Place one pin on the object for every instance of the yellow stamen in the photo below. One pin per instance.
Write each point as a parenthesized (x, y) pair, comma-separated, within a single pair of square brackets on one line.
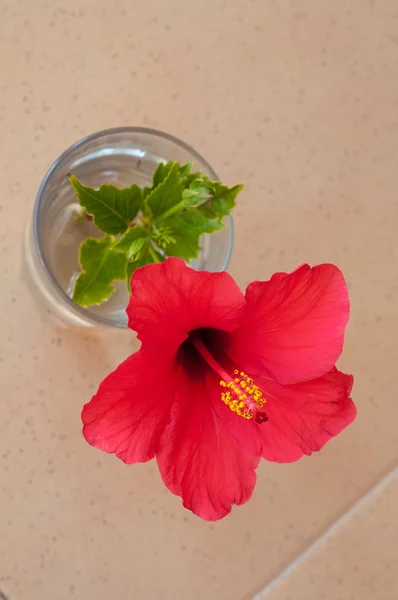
[(242, 396), (240, 393)]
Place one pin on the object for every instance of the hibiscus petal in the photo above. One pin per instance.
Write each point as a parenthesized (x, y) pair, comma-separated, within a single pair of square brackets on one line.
[(304, 416), (293, 325), (168, 300), (131, 409), (200, 460)]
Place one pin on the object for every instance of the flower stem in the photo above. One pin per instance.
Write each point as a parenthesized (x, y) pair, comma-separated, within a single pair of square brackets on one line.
[(153, 254), (168, 213)]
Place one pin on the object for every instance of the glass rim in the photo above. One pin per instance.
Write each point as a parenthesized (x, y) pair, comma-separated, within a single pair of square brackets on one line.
[(155, 133)]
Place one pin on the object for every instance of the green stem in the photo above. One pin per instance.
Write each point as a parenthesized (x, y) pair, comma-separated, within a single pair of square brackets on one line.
[(171, 211), (153, 254)]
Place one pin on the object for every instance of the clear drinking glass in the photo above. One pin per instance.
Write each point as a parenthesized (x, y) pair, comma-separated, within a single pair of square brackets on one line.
[(120, 156)]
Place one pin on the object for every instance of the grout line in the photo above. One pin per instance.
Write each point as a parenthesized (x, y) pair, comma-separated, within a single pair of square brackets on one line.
[(296, 562)]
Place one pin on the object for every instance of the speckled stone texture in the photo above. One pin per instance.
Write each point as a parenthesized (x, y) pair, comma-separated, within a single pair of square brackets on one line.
[(298, 99), (356, 558)]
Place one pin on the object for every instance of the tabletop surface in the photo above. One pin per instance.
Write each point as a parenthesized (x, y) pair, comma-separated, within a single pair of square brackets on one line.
[(300, 101)]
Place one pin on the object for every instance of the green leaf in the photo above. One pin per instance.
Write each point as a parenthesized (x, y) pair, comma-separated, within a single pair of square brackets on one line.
[(175, 211), (113, 209), (223, 200), (196, 194), (161, 172), (135, 247), (132, 235), (185, 229), (101, 265), (185, 173), (186, 246), (196, 220), (167, 194), (201, 216), (207, 203), (145, 191), (132, 265), (163, 169), (202, 183)]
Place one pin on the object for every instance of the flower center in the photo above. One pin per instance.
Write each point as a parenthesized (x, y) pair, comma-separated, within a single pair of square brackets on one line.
[(239, 392)]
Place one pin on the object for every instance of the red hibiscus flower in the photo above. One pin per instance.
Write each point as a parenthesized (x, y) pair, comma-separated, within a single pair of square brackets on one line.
[(222, 379)]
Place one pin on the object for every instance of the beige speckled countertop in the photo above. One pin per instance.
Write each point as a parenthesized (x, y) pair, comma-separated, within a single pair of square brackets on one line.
[(300, 100)]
